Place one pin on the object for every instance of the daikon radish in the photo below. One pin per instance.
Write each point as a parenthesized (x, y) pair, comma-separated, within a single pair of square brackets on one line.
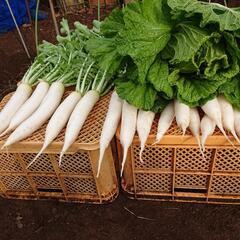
[(83, 108), (207, 129), (61, 116), (16, 101), (78, 118), (237, 121), (182, 112), (195, 124), (58, 121), (28, 107), (110, 126), (213, 110), (144, 124), (128, 129), (22, 93), (227, 116), (40, 116), (165, 121)]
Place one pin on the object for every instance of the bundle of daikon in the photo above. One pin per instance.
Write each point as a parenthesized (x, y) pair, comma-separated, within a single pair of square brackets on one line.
[(58, 66), (133, 119), (20, 106)]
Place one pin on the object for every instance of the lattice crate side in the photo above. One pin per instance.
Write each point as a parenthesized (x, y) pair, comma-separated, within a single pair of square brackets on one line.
[(15, 183), (75, 185), (42, 165), (153, 157), (106, 183), (227, 160), (191, 159), (44, 178), (191, 181), (147, 183), (9, 162), (134, 179), (77, 163), (225, 185)]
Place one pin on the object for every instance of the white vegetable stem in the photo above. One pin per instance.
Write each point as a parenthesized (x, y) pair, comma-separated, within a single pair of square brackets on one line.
[(165, 121), (195, 124), (182, 112), (128, 129), (28, 107), (40, 116), (237, 121), (144, 124), (207, 129), (227, 116), (213, 110), (110, 126), (58, 121), (78, 118), (16, 101)]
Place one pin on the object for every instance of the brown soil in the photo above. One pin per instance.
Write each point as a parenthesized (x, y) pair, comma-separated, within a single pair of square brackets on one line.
[(38, 220)]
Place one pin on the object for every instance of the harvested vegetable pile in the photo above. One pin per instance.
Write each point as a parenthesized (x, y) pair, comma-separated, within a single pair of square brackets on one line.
[(168, 56), (165, 50)]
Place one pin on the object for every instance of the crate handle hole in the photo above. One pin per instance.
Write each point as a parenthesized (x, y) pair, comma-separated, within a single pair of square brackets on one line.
[(192, 190), (50, 190)]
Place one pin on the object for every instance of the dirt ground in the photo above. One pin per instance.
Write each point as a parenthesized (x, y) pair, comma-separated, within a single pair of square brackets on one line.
[(50, 220), (21, 220)]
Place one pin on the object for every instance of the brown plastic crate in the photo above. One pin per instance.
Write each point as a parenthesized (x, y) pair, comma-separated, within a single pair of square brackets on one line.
[(75, 180), (175, 170)]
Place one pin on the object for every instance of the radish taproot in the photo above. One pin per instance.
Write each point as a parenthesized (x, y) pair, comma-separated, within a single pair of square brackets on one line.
[(213, 110), (207, 129), (28, 107), (40, 116), (77, 119), (16, 101), (144, 124), (195, 125), (237, 121), (128, 129), (58, 121), (227, 116), (182, 112), (110, 126), (165, 121), (61, 116), (85, 105)]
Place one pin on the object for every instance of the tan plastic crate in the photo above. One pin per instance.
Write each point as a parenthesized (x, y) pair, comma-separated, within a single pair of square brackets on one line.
[(75, 180), (175, 169)]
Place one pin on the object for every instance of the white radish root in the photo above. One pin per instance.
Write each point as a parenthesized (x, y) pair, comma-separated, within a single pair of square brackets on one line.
[(182, 112), (128, 129), (110, 126), (28, 107), (213, 110), (207, 129), (237, 121), (58, 121), (144, 125), (227, 116), (165, 121), (16, 101), (195, 125), (40, 116), (77, 119)]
